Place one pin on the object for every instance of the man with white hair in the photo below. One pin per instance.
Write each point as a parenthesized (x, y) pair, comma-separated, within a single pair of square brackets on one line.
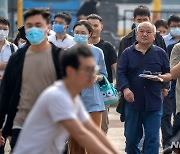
[(143, 107)]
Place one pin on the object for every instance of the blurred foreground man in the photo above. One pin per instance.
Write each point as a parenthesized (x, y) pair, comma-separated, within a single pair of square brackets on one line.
[(59, 111)]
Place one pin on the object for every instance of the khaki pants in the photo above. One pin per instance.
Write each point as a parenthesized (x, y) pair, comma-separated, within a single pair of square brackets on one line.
[(105, 120), (74, 147)]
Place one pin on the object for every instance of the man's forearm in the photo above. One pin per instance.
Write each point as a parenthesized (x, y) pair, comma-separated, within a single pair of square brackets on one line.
[(87, 140), (101, 136)]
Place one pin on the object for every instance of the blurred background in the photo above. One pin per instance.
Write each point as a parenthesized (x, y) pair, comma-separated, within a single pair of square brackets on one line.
[(117, 14)]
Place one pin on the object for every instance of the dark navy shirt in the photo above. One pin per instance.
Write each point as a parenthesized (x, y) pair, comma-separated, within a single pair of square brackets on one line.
[(148, 93)]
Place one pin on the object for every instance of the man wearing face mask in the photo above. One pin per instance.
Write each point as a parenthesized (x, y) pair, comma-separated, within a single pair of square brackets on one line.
[(6, 47), (29, 71), (174, 30), (141, 14), (61, 23), (169, 103)]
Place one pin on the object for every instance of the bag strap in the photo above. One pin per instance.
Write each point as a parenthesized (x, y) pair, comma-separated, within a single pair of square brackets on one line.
[(137, 68), (12, 48)]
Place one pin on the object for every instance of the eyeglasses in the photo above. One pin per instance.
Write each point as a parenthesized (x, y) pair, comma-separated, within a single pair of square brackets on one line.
[(90, 70)]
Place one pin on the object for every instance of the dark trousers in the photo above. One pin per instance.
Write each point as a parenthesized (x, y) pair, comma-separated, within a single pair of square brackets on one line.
[(176, 128), (134, 123), (169, 108), (15, 135)]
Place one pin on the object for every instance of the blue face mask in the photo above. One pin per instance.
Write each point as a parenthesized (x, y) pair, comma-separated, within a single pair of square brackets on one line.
[(58, 28), (137, 24), (175, 31), (80, 38), (35, 35)]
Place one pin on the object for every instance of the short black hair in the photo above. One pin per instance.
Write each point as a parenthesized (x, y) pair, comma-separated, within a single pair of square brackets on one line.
[(4, 21), (38, 11), (141, 11), (64, 15), (173, 18), (86, 24), (94, 16), (70, 57), (161, 22)]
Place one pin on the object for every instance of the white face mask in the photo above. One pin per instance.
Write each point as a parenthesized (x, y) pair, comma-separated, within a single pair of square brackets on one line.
[(3, 34)]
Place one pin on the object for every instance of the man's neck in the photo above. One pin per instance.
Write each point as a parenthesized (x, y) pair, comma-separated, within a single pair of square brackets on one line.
[(1, 44), (61, 36), (40, 47), (142, 47), (94, 40), (72, 88)]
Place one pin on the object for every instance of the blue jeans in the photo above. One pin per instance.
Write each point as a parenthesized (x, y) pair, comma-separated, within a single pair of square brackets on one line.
[(135, 121), (169, 108)]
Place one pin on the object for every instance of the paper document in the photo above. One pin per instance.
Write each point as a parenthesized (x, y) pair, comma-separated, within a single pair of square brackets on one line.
[(147, 76)]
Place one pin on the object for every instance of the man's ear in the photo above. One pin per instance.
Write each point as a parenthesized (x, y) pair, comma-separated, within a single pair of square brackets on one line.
[(48, 28), (102, 26)]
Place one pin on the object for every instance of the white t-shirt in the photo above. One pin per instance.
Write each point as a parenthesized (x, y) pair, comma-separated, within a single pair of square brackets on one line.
[(42, 133), (6, 52), (64, 44)]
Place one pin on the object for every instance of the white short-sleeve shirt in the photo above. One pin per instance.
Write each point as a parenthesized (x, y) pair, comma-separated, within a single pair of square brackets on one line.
[(64, 44), (6, 52), (42, 133)]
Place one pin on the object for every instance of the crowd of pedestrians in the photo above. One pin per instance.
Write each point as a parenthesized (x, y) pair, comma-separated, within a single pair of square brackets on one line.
[(50, 100)]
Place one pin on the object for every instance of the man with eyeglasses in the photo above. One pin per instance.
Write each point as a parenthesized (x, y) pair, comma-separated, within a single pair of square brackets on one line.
[(6, 47), (60, 25), (59, 111), (174, 30)]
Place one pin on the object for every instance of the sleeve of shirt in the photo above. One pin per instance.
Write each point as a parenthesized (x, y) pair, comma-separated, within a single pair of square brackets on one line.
[(122, 68), (175, 55), (61, 108), (166, 67), (83, 115), (101, 63)]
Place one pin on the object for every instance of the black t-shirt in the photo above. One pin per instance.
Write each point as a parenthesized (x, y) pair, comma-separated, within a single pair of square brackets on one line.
[(110, 56)]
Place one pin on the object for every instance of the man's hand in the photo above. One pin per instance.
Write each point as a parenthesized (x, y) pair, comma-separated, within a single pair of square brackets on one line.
[(128, 95), (2, 141), (166, 77), (98, 78), (164, 92), (3, 65)]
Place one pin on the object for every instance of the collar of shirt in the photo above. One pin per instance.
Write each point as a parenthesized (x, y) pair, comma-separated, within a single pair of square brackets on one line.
[(7, 43), (168, 37), (134, 48)]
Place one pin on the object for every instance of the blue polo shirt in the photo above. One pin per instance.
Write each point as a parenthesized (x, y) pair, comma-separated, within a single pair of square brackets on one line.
[(148, 96)]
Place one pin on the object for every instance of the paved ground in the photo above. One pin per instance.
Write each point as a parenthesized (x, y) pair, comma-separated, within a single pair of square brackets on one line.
[(116, 131)]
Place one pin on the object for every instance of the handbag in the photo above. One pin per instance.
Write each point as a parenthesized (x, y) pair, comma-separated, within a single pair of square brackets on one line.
[(108, 91)]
